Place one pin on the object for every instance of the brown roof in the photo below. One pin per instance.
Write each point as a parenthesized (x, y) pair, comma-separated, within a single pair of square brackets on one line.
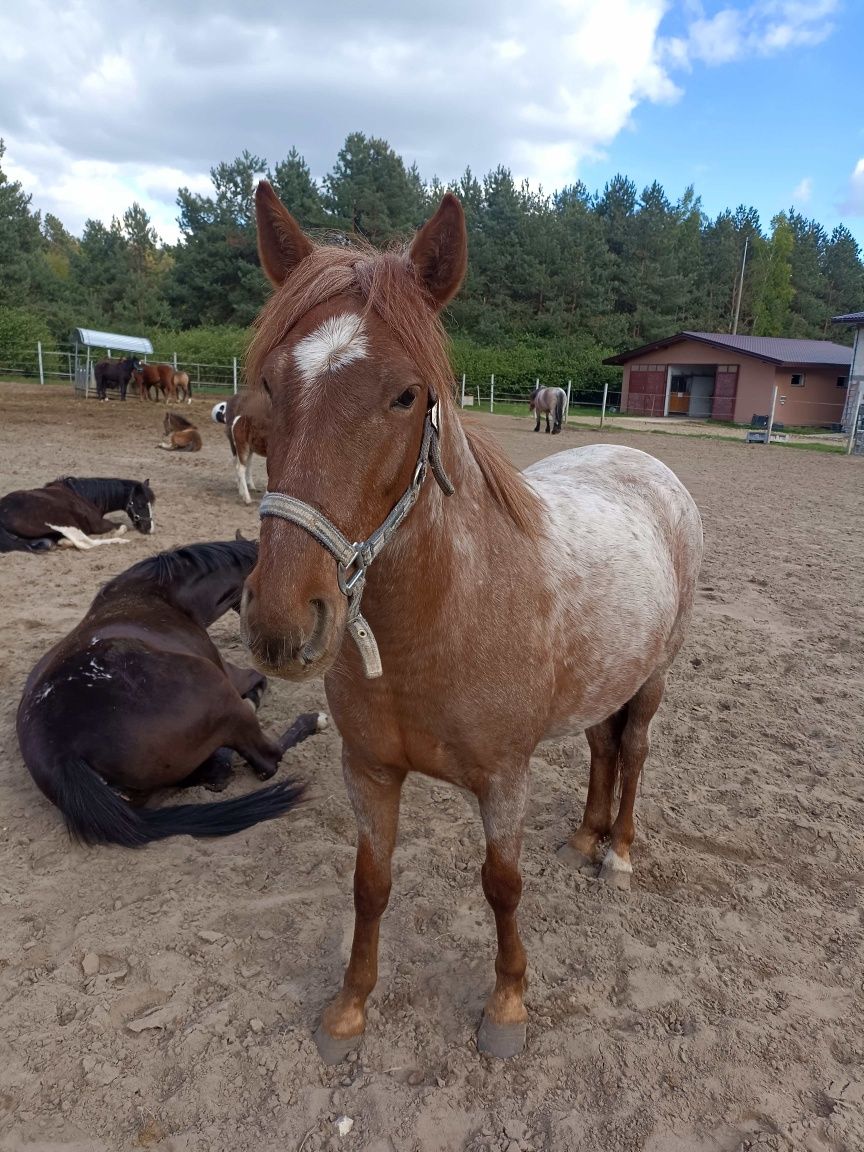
[(772, 349)]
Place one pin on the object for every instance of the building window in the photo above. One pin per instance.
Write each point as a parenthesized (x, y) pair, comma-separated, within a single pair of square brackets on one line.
[(797, 380), (842, 381)]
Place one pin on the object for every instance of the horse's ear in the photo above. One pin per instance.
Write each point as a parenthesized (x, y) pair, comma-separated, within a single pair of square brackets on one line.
[(281, 243), (439, 251)]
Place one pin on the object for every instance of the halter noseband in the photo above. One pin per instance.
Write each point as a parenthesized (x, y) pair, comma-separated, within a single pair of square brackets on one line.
[(353, 560)]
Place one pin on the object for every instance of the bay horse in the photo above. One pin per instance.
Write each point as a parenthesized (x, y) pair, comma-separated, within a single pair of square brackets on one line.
[(181, 435), (164, 378), (72, 508), (114, 374), (444, 672), (246, 417), (137, 698), (549, 401)]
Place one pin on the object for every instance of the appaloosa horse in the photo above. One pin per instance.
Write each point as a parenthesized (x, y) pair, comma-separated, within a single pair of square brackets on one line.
[(73, 509), (137, 698), (246, 417), (114, 374), (549, 401), (604, 542)]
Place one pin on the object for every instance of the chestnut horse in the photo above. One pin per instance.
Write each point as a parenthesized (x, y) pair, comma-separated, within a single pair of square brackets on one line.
[(165, 378), (181, 435), (137, 698), (246, 417), (549, 401), (603, 542)]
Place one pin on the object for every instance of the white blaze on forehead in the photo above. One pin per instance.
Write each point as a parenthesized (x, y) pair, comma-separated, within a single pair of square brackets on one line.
[(340, 340)]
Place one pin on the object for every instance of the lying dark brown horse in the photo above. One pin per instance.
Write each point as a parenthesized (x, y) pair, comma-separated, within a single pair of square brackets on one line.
[(181, 435), (164, 378), (246, 417), (114, 374), (74, 508), (137, 698)]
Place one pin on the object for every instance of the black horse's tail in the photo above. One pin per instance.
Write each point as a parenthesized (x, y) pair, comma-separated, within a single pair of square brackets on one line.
[(9, 542), (96, 814), (559, 408)]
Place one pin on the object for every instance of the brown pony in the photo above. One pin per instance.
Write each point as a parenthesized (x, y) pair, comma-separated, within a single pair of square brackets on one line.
[(165, 379), (246, 417), (181, 434), (603, 542)]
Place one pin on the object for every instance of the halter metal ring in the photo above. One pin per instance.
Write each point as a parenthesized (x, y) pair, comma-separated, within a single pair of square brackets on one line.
[(347, 583)]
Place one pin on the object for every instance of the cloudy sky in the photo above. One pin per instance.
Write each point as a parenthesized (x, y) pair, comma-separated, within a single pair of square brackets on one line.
[(759, 101)]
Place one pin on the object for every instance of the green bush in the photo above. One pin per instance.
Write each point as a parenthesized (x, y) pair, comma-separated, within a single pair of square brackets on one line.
[(19, 332)]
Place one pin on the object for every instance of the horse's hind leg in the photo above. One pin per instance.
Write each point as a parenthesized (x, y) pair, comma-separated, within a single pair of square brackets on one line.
[(214, 774), (604, 739), (250, 483), (548, 425), (635, 742)]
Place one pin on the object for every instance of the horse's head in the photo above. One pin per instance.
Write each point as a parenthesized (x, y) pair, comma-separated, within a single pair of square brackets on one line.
[(217, 412), (351, 351), (139, 507)]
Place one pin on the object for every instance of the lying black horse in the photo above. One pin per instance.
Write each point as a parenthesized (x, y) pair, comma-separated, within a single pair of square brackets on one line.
[(32, 520), (137, 698), (114, 374)]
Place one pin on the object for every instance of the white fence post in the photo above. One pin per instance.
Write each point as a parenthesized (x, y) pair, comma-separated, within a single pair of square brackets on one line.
[(567, 411), (771, 415), (174, 358), (603, 409), (492, 394), (462, 397), (853, 423), (235, 374), (39, 354)]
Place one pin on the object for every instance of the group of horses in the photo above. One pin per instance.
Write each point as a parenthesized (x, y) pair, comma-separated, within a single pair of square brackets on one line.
[(379, 568), (150, 379)]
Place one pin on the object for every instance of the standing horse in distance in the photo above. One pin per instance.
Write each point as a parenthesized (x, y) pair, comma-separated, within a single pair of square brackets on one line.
[(549, 401), (246, 417), (181, 435), (462, 683), (73, 509), (114, 374), (137, 698), (164, 378)]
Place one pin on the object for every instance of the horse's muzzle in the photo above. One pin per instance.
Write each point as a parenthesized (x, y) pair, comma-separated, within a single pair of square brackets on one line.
[(300, 648)]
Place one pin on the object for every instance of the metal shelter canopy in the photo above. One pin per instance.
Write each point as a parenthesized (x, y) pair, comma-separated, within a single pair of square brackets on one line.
[(89, 338), (92, 339)]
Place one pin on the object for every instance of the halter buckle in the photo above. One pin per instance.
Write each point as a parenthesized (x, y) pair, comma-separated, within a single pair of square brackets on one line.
[(347, 583)]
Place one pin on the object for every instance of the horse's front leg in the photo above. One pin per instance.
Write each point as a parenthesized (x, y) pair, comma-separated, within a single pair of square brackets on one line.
[(375, 794), (502, 807)]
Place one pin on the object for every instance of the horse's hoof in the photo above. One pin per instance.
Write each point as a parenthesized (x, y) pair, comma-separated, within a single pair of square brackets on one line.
[(266, 774), (503, 1041), (573, 858), (555, 431), (333, 1049), (616, 872)]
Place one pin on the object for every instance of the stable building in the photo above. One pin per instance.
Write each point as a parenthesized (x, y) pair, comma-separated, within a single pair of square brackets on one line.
[(717, 376)]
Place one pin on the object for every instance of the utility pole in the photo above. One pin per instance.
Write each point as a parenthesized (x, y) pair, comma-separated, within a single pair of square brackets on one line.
[(740, 288)]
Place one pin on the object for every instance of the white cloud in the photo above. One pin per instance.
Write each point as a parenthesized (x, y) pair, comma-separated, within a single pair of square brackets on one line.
[(175, 89), (802, 193), (853, 205), (760, 28)]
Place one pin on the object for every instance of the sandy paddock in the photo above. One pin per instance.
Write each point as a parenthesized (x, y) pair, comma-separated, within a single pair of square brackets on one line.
[(166, 998)]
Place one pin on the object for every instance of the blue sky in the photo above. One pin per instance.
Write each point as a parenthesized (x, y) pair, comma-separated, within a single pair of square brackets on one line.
[(753, 101)]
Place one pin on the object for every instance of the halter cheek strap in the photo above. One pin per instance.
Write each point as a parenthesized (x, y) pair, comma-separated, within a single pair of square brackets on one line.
[(353, 560)]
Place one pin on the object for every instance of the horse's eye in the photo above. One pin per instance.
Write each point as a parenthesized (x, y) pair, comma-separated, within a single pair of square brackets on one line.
[(405, 400)]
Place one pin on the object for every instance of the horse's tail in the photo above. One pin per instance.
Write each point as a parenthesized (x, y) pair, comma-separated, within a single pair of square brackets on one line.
[(9, 542), (96, 814), (559, 407)]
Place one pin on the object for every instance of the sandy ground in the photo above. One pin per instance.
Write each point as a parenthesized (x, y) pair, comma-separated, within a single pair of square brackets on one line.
[(717, 1006)]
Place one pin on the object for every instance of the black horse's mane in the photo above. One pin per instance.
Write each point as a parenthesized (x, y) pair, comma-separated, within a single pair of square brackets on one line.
[(105, 492), (180, 564)]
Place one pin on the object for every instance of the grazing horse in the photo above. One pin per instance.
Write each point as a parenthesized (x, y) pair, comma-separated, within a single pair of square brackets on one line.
[(73, 508), (114, 374), (462, 683), (549, 400), (246, 417), (137, 698), (165, 379), (181, 434)]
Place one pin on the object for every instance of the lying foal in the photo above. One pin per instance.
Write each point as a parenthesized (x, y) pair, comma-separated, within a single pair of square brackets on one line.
[(181, 434)]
